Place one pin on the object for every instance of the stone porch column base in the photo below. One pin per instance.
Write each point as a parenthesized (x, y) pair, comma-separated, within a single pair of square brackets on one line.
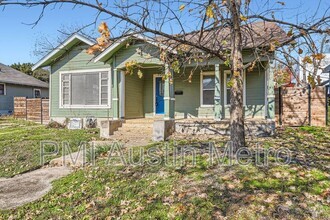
[(162, 129)]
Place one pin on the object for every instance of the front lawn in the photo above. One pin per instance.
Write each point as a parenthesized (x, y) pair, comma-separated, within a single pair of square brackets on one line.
[(20, 143), (164, 190)]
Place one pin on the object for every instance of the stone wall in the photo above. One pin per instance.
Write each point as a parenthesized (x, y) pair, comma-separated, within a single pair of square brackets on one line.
[(257, 128)]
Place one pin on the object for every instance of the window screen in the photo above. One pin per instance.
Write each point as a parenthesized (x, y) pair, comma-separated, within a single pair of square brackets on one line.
[(208, 89), (2, 89), (89, 88), (37, 93)]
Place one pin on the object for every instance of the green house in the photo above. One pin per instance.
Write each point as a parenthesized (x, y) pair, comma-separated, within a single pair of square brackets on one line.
[(83, 85)]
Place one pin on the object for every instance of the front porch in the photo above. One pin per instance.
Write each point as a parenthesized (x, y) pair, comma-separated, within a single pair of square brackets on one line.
[(144, 130), (199, 106)]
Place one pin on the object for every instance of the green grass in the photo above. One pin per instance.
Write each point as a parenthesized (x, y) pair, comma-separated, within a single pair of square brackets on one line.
[(20, 143), (299, 190)]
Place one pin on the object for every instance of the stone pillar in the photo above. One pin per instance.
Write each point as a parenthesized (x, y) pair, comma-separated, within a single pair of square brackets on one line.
[(270, 114), (169, 100), (115, 96), (217, 94), (162, 129)]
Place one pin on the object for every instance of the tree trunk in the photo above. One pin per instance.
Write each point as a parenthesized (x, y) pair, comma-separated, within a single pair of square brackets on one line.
[(237, 134)]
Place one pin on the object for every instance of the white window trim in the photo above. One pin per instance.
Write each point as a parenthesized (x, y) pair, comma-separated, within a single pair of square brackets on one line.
[(226, 72), (4, 88), (86, 106), (34, 93), (208, 73)]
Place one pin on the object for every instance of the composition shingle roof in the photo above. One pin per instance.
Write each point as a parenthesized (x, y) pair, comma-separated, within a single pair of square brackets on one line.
[(254, 35), (10, 75)]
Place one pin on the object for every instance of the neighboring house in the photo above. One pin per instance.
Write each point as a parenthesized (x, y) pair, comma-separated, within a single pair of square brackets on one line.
[(326, 71), (83, 85), (14, 83), (306, 69)]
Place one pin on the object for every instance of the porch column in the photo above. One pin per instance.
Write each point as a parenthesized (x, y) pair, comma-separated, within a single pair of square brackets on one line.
[(115, 97), (270, 112), (121, 89), (169, 100), (162, 129), (217, 94)]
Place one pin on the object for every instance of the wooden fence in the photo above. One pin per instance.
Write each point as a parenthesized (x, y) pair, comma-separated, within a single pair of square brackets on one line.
[(301, 106), (36, 110)]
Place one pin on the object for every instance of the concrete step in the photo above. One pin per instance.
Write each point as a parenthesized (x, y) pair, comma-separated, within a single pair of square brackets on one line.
[(140, 121), (139, 130), (122, 135), (137, 126), (135, 131)]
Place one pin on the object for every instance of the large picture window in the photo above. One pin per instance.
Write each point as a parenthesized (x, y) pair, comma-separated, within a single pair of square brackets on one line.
[(85, 88), (207, 88), (2, 89)]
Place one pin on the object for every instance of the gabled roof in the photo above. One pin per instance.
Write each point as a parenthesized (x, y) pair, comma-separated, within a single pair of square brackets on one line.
[(12, 76), (61, 49), (326, 69), (116, 45), (254, 35), (325, 83)]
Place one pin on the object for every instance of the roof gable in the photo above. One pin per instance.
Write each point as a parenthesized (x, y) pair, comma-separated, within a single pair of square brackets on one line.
[(61, 49), (117, 45)]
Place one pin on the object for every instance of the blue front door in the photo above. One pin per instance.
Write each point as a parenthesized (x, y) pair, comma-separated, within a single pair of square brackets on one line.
[(159, 93)]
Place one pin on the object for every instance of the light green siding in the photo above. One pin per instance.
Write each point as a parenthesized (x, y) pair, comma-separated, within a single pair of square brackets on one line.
[(139, 92), (255, 94), (187, 105), (75, 59), (148, 91), (134, 96), (140, 52)]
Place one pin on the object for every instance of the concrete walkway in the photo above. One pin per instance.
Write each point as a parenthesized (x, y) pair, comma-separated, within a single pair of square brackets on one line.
[(28, 187)]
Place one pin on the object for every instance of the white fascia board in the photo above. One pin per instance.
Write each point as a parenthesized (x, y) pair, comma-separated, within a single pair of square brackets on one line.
[(120, 41), (110, 49), (60, 47)]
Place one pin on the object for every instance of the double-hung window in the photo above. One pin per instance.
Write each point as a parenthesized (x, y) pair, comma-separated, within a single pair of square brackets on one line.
[(2, 89), (85, 88), (207, 88), (36, 93)]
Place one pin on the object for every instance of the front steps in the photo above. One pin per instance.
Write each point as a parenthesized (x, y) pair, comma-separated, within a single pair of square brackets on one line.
[(134, 132)]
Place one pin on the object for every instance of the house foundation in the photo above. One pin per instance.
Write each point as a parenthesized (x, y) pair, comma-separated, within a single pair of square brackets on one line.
[(253, 128)]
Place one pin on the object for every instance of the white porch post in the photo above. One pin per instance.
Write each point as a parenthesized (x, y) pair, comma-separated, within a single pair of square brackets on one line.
[(115, 97), (169, 100), (217, 94), (270, 102), (122, 94)]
